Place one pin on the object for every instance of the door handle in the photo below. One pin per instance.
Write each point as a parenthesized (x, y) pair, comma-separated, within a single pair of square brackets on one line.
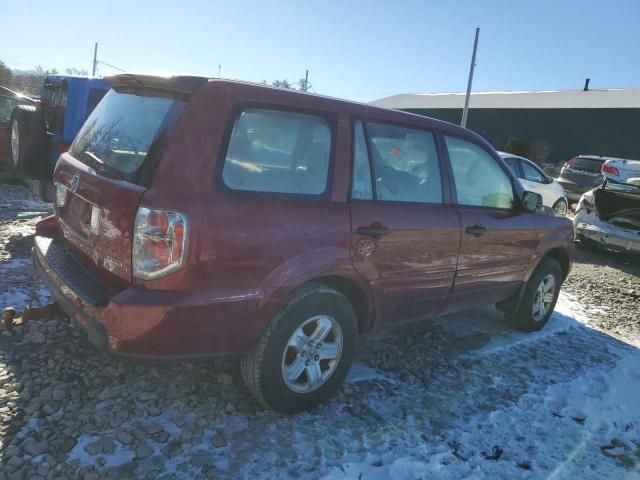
[(375, 231), (476, 230)]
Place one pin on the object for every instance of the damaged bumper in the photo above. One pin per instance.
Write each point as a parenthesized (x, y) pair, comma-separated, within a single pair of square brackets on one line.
[(606, 234)]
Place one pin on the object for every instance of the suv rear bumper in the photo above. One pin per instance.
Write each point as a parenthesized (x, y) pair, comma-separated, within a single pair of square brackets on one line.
[(149, 323)]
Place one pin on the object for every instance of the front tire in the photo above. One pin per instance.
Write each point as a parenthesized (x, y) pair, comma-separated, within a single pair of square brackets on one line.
[(539, 298), (561, 207), (305, 353)]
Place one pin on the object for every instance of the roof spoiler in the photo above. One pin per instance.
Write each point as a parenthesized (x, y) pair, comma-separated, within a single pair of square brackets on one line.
[(184, 84)]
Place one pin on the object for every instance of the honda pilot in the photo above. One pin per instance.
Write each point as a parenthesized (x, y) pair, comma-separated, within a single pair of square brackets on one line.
[(198, 217)]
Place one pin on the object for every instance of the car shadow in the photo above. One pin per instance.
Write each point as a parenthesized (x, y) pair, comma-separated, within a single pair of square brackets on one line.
[(96, 413)]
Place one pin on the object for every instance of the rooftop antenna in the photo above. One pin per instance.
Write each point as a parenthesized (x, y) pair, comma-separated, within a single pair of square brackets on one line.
[(465, 111)]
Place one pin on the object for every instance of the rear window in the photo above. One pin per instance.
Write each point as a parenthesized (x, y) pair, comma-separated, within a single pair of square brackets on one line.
[(54, 104), (586, 165), (278, 152), (123, 135)]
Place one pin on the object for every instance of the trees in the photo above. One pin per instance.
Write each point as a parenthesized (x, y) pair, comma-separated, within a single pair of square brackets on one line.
[(284, 83), (6, 76), (30, 81)]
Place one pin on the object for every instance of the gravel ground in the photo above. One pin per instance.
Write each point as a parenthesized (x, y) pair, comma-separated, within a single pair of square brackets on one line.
[(459, 397), (609, 283)]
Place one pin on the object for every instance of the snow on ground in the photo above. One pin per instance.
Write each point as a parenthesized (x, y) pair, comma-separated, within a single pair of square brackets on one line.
[(562, 403)]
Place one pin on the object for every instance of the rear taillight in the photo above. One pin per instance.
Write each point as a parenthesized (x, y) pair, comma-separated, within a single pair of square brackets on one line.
[(609, 169), (159, 243), (568, 163)]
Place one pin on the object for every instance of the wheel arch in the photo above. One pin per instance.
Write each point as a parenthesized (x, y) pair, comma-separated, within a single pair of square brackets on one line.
[(356, 293), (562, 257)]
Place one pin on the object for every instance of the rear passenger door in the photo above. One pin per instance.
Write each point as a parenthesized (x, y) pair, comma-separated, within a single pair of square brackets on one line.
[(404, 238), (497, 238)]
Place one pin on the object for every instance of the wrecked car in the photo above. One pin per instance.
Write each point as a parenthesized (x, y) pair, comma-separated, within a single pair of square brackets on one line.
[(609, 215)]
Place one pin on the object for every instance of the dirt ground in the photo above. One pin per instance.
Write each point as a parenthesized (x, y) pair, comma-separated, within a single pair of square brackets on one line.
[(460, 397)]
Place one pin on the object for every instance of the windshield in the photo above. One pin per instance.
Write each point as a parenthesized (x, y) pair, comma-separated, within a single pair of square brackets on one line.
[(122, 133)]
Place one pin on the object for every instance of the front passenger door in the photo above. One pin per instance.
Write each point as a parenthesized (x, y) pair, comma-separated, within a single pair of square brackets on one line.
[(497, 239)]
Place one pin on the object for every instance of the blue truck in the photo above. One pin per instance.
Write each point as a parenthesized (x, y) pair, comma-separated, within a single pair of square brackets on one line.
[(44, 128)]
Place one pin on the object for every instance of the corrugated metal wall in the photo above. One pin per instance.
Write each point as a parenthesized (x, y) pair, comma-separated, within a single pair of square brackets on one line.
[(553, 135)]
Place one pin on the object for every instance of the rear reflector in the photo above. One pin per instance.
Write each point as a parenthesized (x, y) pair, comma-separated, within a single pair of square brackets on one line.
[(159, 243)]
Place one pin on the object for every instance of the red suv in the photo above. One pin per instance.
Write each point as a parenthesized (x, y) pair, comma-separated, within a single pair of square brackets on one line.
[(200, 217)]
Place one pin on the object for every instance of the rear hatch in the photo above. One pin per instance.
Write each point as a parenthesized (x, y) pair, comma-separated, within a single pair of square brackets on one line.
[(100, 181), (582, 171)]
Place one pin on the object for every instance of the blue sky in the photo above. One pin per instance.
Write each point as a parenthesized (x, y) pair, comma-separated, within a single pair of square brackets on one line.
[(361, 50)]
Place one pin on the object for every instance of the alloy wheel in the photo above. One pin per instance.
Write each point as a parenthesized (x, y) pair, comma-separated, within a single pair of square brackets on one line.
[(543, 298), (561, 207), (312, 354)]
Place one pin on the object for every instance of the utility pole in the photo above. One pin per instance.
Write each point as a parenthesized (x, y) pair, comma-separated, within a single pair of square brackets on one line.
[(219, 69), (95, 59), (465, 112), (306, 81)]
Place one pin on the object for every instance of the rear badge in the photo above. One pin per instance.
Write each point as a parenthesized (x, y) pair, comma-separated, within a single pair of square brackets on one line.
[(111, 264), (74, 182)]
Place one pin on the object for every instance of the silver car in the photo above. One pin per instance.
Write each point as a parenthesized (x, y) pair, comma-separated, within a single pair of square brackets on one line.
[(609, 216)]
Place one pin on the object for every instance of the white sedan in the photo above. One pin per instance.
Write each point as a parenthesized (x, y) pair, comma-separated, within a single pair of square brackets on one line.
[(621, 170), (535, 180)]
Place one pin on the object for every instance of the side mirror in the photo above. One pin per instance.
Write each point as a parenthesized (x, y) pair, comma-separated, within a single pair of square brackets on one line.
[(531, 201), (548, 179)]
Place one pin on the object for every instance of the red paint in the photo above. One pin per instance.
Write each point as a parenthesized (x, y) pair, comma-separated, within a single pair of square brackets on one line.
[(247, 252)]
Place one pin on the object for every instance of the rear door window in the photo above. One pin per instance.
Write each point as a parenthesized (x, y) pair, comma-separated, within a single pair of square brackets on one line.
[(278, 151), (123, 135), (479, 180), (404, 162)]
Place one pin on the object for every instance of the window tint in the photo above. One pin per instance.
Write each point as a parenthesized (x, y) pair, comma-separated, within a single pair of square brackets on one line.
[(479, 179), (405, 164), (586, 164), (120, 133), (512, 163), (277, 151), (531, 173), (361, 187)]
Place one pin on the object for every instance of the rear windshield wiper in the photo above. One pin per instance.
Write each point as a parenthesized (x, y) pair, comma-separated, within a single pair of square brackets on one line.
[(103, 167)]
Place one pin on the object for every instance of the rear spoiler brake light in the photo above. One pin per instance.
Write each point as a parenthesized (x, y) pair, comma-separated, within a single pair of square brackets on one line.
[(184, 84)]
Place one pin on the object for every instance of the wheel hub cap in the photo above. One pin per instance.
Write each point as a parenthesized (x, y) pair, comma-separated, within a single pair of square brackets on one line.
[(312, 354), (544, 298)]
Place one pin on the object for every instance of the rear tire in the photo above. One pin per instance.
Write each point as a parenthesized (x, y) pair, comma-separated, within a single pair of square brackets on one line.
[(271, 371), (538, 299), (28, 134)]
